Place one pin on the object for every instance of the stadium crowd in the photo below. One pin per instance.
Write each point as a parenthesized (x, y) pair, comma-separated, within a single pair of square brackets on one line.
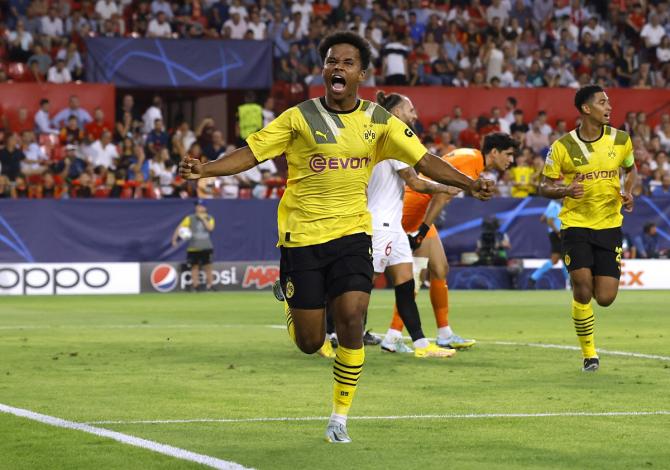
[(496, 43)]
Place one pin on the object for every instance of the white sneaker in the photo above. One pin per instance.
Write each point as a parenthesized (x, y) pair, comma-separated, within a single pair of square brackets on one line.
[(456, 342), (395, 345)]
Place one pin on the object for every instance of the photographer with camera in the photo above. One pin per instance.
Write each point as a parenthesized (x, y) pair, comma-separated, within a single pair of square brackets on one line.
[(493, 244)]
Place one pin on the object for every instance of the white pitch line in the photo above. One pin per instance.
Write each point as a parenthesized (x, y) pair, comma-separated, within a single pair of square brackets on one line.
[(568, 414), (281, 327), (164, 449), (575, 348)]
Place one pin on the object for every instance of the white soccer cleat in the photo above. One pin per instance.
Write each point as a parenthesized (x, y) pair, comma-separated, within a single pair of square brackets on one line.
[(395, 345), (337, 433)]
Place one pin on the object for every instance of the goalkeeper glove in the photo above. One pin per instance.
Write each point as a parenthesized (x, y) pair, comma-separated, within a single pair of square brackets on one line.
[(416, 238)]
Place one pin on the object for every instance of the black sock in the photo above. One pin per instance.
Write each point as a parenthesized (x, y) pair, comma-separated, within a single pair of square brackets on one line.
[(330, 324), (407, 309)]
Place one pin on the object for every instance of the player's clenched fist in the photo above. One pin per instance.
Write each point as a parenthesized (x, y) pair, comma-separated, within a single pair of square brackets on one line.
[(190, 168), (482, 189)]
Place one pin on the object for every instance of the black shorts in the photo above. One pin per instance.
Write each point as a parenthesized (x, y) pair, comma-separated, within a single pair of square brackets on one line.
[(310, 275), (555, 242), (598, 250), (202, 257)]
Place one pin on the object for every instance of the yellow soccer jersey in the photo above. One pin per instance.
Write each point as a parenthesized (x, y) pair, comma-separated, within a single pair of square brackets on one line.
[(522, 175), (597, 165), (330, 158)]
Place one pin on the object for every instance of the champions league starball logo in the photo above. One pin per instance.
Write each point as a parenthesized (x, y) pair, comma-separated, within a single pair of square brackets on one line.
[(164, 278)]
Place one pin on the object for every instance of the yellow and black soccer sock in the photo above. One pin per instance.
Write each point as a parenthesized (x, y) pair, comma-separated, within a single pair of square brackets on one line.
[(290, 327), (346, 372), (582, 316)]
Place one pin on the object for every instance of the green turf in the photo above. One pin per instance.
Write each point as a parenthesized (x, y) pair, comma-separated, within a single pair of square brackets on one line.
[(166, 357)]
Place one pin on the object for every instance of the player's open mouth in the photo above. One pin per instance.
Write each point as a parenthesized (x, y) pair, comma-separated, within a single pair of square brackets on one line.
[(337, 83)]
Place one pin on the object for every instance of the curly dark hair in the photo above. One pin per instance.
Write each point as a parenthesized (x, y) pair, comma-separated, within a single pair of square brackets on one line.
[(347, 37), (585, 94)]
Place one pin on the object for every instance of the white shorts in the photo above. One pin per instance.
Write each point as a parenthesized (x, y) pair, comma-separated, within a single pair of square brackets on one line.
[(389, 248)]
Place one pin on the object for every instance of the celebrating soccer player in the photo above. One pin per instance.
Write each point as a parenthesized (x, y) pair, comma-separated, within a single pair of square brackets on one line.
[(419, 212), (589, 158), (324, 225)]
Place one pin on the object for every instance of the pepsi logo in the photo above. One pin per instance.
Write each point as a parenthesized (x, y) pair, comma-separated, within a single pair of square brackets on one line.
[(164, 278)]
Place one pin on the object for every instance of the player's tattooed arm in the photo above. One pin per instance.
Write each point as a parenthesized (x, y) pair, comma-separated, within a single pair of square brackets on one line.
[(628, 184), (232, 163), (551, 189), (421, 185)]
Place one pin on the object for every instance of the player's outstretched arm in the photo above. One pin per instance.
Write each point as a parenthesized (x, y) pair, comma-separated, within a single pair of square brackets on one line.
[(420, 185), (551, 189), (439, 170), (232, 163)]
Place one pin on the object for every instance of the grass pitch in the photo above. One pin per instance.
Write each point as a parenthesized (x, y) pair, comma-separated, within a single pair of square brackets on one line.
[(222, 356)]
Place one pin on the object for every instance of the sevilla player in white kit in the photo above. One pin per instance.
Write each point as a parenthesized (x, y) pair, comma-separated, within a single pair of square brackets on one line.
[(391, 250)]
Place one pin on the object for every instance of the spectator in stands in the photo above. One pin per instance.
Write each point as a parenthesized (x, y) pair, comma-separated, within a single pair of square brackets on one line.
[(42, 120), (162, 6), (535, 139), (159, 27), (59, 73), (71, 166), (11, 157), (394, 63), (5, 187), (20, 190), (20, 43), (95, 128), (522, 177), (216, 148), (103, 153), (74, 109), (182, 139), (663, 190), (106, 8), (470, 137), (256, 26), (36, 160), (83, 187), (235, 27), (518, 128), (21, 122), (72, 59), (71, 133), (157, 139), (152, 113), (41, 60), (52, 24), (268, 110)]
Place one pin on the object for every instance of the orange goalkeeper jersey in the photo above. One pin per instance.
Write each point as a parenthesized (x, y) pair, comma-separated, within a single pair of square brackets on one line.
[(468, 161)]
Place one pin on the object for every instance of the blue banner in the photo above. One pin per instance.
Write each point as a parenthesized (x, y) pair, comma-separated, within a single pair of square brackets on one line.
[(113, 230), (117, 230), (460, 224), (187, 63)]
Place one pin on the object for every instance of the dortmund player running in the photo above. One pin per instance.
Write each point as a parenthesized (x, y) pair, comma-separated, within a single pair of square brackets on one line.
[(589, 158), (324, 225)]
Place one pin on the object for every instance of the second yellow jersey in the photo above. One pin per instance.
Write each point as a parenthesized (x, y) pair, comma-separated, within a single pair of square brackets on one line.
[(596, 164), (330, 158)]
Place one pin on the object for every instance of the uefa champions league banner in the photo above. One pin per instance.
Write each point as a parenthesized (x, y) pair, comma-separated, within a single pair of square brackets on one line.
[(187, 63), (104, 230), (88, 231)]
